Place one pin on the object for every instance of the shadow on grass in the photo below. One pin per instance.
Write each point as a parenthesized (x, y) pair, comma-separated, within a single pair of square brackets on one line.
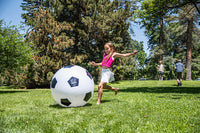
[(189, 90), (60, 107), (6, 92), (105, 101), (172, 96), (111, 100), (8, 87)]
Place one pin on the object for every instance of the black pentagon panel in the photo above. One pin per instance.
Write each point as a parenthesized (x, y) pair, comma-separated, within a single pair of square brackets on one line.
[(89, 75), (53, 83), (65, 102), (73, 81), (69, 66), (87, 96)]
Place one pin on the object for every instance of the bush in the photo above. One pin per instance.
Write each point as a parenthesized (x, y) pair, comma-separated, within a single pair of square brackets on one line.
[(10, 77)]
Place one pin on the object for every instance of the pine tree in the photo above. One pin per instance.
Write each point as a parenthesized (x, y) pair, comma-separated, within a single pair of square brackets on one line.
[(92, 23), (49, 40)]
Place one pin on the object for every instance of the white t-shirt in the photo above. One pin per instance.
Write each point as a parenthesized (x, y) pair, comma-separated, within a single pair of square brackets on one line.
[(161, 68)]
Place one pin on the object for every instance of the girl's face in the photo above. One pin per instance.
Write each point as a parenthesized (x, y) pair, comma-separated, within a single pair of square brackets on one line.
[(107, 49)]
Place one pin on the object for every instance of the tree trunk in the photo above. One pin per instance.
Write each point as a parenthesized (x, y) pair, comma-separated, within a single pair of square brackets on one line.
[(161, 37), (189, 49)]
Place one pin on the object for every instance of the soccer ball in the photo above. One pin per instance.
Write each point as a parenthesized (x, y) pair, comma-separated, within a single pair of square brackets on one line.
[(72, 86)]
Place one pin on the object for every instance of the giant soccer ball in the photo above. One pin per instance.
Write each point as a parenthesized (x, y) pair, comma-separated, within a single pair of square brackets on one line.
[(72, 86)]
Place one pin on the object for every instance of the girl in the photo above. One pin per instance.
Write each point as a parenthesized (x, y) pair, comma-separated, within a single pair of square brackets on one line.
[(106, 74)]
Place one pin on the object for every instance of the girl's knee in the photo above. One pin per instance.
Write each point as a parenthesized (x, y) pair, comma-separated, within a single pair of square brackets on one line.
[(100, 86), (100, 91)]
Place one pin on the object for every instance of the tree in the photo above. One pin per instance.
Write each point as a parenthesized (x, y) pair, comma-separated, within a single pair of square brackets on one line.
[(131, 67), (154, 15), (15, 55), (47, 37), (14, 52), (188, 16), (92, 23), (195, 54), (174, 4)]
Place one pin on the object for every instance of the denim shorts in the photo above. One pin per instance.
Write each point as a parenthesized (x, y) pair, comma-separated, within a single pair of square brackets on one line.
[(160, 73), (107, 76)]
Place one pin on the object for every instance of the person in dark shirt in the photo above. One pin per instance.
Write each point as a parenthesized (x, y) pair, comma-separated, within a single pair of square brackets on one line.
[(179, 67)]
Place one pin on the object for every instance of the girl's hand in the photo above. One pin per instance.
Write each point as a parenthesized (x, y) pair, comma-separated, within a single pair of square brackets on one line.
[(92, 63), (135, 52)]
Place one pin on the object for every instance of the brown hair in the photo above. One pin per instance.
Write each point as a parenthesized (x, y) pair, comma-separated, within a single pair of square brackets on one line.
[(112, 50)]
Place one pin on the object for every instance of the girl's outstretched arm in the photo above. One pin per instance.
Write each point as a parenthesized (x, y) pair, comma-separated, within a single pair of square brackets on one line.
[(124, 55), (95, 64)]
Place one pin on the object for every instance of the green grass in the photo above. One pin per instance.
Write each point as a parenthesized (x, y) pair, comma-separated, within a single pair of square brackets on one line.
[(139, 107)]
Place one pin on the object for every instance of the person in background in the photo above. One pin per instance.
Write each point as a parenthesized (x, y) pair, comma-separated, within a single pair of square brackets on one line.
[(179, 67), (160, 70)]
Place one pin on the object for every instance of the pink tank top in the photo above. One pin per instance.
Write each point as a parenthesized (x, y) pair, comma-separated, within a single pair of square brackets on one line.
[(107, 63)]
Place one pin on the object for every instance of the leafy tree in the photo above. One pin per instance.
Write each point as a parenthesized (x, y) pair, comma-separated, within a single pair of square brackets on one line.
[(195, 54), (14, 53), (131, 67), (48, 38), (92, 23), (187, 17), (166, 40)]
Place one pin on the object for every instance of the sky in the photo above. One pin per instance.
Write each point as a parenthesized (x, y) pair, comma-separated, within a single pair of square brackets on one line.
[(10, 12)]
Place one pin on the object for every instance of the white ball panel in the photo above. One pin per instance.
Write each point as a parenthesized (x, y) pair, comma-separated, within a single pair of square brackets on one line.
[(73, 83)]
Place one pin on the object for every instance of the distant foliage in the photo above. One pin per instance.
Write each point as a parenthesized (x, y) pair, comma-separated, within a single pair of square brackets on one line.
[(15, 55), (49, 39), (171, 27), (69, 32)]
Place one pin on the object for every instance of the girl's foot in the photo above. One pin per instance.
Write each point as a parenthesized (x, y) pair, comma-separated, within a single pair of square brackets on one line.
[(116, 90), (98, 102)]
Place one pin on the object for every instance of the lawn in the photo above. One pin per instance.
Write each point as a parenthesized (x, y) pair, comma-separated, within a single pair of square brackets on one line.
[(139, 107)]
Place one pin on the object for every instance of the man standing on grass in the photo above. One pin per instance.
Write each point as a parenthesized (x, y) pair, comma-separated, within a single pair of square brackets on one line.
[(179, 67)]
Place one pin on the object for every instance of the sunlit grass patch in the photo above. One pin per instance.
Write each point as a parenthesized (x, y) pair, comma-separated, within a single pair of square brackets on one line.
[(140, 106)]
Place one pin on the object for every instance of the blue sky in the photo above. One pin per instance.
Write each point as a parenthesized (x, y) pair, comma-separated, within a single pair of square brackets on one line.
[(11, 11)]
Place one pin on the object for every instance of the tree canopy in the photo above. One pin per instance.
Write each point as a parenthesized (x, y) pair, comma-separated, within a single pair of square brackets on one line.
[(14, 52), (69, 32), (170, 26)]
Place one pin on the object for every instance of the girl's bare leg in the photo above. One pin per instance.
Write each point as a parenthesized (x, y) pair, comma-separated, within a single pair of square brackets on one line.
[(100, 92), (105, 86), (102, 86)]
